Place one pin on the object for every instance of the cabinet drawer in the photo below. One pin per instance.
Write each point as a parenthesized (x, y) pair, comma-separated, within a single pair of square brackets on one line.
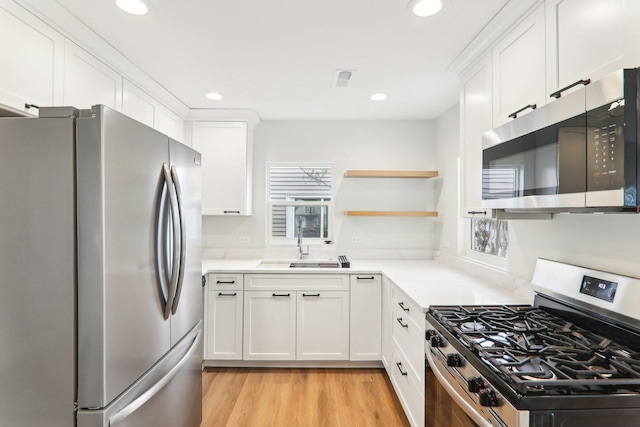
[(410, 394), (406, 305), (293, 282), (410, 339), (221, 281)]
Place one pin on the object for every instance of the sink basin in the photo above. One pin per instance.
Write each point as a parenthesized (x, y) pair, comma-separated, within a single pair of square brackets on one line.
[(314, 264), (284, 264)]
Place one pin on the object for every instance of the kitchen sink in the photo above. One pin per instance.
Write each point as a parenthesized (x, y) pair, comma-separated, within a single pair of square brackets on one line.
[(299, 264), (314, 264)]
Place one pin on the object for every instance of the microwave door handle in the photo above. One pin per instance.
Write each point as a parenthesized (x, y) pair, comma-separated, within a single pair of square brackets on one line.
[(175, 220), (515, 113), (468, 409), (557, 94), (182, 241)]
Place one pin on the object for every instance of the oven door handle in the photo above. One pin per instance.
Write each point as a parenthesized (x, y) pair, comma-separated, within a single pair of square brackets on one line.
[(475, 416)]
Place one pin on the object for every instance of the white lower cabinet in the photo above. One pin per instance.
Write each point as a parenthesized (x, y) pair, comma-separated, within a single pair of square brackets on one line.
[(322, 326), (366, 317), (404, 343), (223, 317), (269, 325), (224, 323), (296, 317)]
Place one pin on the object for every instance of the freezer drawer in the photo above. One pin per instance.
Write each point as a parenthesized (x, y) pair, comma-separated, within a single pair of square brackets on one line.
[(153, 400)]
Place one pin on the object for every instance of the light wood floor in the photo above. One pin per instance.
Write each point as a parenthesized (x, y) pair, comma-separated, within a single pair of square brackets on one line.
[(250, 397)]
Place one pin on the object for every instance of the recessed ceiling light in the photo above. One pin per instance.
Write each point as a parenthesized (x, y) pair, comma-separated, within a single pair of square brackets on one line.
[(134, 7), (378, 96), (214, 96), (424, 8)]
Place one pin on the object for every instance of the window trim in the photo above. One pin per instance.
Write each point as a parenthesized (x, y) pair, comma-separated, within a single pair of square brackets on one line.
[(313, 241)]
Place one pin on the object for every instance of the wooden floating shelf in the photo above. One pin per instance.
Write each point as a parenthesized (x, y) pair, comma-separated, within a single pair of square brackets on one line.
[(390, 174), (392, 213)]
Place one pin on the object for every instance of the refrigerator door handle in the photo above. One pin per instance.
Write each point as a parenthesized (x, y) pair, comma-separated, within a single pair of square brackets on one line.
[(182, 241), (162, 243), (175, 219), (122, 414)]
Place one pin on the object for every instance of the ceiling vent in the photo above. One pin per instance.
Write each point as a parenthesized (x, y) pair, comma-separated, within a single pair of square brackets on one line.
[(342, 78)]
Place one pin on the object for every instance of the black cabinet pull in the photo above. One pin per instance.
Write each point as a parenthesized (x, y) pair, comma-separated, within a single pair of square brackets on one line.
[(404, 325), (557, 94), (310, 295), (220, 294), (515, 113), (204, 281), (222, 282), (401, 304), (281, 295), (365, 278), (232, 212), (399, 365), (28, 106), (476, 212)]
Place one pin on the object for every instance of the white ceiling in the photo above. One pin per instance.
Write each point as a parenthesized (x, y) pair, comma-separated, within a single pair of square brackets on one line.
[(278, 57)]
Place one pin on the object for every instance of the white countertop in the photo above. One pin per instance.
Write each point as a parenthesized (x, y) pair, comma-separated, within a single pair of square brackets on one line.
[(426, 282)]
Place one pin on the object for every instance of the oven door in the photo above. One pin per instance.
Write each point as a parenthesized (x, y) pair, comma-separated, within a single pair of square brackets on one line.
[(538, 161)]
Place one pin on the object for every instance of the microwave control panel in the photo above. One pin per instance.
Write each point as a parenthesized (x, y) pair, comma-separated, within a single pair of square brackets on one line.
[(605, 147)]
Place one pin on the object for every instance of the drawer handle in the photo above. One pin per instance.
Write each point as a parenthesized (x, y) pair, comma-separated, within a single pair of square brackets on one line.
[(404, 325), (231, 212), (476, 212), (310, 295), (281, 295), (365, 278), (399, 365), (220, 294), (223, 282), (401, 304)]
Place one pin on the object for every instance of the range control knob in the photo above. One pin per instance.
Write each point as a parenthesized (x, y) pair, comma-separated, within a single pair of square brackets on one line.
[(475, 384), (454, 359), (488, 398), (436, 341)]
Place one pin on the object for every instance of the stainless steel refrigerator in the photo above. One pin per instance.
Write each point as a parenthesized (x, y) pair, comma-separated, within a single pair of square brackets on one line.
[(100, 273)]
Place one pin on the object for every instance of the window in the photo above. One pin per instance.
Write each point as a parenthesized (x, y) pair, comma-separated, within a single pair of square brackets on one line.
[(490, 236), (299, 198)]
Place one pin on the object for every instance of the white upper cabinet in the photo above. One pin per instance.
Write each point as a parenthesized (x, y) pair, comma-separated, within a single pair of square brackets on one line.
[(226, 167), (88, 81), (138, 105), (519, 69), (170, 124), (476, 119), (31, 60), (585, 39)]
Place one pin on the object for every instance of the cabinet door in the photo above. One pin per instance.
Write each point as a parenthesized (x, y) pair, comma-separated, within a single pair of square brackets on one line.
[(386, 323), (269, 325), (224, 325), (224, 167), (519, 69), (139, 105), (366, 317), (170, 124), (31, 59), (585, 39), (476, 119), (323, 325), (88, 81)]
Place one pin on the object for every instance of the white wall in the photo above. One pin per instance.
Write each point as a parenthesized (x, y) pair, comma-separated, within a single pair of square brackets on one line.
[(407, 145), (447, 137)]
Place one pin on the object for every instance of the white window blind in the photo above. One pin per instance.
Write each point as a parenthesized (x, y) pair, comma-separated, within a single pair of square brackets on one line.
[(500, 183), (299, 183)]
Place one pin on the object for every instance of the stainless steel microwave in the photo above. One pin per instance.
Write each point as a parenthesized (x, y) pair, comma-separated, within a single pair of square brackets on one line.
[(578, 153)]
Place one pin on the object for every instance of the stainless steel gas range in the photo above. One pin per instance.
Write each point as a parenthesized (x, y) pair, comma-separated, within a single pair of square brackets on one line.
[(571, 359)]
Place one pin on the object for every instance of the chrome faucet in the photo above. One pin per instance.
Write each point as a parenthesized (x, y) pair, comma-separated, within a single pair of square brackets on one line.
[(301, 251)]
